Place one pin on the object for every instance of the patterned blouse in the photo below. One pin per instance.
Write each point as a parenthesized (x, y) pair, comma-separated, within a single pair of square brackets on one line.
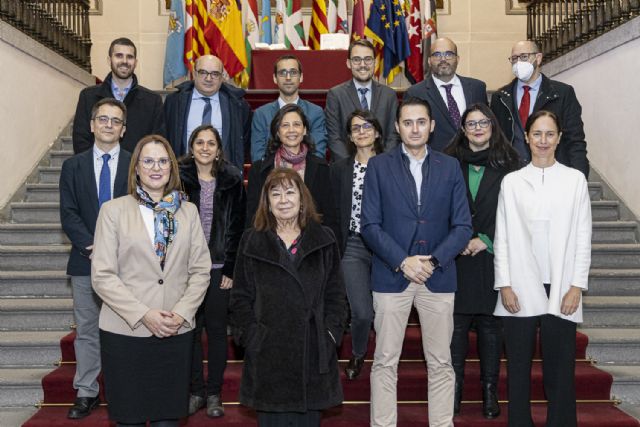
[(207, 188), (359, 170)]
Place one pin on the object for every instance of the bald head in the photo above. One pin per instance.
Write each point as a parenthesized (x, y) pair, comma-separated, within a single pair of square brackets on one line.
[(444, 43), (208, 74), (526, 46), (443, 60)]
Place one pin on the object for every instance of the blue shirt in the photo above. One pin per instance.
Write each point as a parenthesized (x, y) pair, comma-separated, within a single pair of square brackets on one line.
[(197, 109), (112, 162), (533, 92), (120, 94)]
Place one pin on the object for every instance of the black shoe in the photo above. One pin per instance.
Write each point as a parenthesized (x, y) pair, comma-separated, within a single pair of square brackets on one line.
[(196, 403), (214, 406), (354, 367), (83, 407), (457, 397), (490, 406)]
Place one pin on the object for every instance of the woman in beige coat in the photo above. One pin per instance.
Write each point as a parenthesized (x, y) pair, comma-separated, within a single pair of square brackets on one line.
[(151, 268)]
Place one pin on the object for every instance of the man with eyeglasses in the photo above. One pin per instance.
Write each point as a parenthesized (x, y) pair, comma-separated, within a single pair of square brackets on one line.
[(287, 74), (447, 92), (359, 93), (207, 99), (144, 107), (87, 180), (532, 91)]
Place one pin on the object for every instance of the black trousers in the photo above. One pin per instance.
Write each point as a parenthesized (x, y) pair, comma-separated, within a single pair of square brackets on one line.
[(212, 316), (558, 339), (489, 330), (289, 419)]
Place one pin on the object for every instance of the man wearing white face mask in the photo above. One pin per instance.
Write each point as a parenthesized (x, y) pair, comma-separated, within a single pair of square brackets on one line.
[(532, 91)]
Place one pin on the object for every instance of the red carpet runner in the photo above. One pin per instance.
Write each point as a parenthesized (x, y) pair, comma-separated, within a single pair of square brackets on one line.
[(592, 386)]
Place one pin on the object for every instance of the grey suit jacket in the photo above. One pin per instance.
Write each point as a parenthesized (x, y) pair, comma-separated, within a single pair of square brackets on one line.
[(126, 273), (474, 91), (343, 99)]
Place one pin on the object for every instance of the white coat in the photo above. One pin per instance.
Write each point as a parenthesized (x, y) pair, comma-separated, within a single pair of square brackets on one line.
[(542, 208)]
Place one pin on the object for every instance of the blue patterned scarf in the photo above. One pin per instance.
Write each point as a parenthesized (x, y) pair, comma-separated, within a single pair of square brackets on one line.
[(165, 226)]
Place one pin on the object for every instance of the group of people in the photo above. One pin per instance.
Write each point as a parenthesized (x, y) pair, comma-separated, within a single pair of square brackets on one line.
[(477, 215)]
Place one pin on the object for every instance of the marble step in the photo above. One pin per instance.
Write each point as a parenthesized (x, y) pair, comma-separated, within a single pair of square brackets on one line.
[(36, 314), (32, 234), (35, 284), (607, 281), (19, 349), (35, 212), (34, 258)]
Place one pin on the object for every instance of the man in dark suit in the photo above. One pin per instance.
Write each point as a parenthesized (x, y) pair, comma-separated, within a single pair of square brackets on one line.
[(532, 91), (144, 107), (287, 74), (207, 100), (448, 93), (416, 220), (359, 93), (87, 180)]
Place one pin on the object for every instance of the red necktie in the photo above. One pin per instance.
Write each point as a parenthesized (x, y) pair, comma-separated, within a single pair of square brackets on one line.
[(523, 111)]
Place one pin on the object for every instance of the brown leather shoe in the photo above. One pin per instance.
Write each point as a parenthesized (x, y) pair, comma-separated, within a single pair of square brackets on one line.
[(83, 407), (354, 367)]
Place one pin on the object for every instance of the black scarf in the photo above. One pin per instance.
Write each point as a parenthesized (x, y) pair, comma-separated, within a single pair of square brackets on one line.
[(477, 158)]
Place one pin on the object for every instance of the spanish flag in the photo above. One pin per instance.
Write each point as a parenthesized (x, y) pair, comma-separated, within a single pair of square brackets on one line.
[(225, 35), (318, 24)]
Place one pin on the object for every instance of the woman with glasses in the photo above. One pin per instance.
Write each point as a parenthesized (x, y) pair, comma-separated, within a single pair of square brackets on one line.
[(215, 186), (347, 180), (290, 146), (485, 157), (151, 268), (542, 258)]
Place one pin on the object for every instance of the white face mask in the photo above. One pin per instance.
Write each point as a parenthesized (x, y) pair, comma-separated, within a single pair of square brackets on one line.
[(523, 70)]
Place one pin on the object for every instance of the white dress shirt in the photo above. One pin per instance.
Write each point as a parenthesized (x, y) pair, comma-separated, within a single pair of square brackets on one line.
[(456, 92)]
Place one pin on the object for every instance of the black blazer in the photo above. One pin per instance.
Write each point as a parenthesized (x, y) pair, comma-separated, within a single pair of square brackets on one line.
[(474, 91), (79, 205), (342, 187), (316, 178)]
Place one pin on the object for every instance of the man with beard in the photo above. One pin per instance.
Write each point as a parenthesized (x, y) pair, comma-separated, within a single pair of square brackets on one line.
[(144, 107), (207, 99), (287, 74), (448, 93), (359, 93), (532, 91)]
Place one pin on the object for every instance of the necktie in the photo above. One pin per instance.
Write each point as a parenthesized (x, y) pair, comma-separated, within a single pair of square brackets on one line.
[(454, 112), (104, 186), (363, 97), (206, 113), (523, 110)]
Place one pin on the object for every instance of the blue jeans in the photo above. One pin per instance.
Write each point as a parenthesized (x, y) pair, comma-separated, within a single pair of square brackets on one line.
[(356, 266)]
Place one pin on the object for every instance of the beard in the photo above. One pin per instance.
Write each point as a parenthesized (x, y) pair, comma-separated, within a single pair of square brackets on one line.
[(122, 72)]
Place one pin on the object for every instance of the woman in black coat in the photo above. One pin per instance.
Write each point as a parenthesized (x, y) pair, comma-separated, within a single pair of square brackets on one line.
[(288, 307), (291, 146), (215, 186), (485, 157)]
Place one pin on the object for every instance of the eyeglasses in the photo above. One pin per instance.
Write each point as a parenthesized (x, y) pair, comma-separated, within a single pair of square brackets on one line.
[(215, 75), (357, 60), (103, 120), (365, 127), (446, 55), (522, 57), (293, 73), (472, 124), (163, 163)]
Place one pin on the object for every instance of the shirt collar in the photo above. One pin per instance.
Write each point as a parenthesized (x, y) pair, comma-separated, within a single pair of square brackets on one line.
[(455, 81), (98, 153), (198, 95), (281, 102), (115, 88), (360, 85), (411, 158), (535, 85)]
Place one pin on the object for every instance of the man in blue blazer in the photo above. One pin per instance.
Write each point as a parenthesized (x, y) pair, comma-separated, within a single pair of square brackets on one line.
[(87, 180), (448, 93), (287, 74), (416, 220)]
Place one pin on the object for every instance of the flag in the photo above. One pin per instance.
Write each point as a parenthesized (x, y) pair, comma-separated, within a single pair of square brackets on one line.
[(430, 33), (413, 64), (357, 21), (337, 16), (223, 32), (251, 34), (196, 20), (174, 67), (265, 22), (294, 31), (278, 28), (318, 24), (386, 27)]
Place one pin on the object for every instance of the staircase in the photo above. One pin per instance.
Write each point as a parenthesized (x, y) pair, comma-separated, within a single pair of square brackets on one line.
[(36, 307)]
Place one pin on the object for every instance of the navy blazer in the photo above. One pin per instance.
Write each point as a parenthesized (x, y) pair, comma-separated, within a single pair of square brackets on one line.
[(395, 227), (261, 127), (474, 91), (79, 204)]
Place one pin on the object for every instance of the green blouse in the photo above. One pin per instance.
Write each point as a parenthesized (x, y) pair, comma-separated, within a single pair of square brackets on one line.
[(475, 176)]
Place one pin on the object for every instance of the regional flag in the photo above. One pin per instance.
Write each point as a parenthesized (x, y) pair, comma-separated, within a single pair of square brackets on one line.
[(386, 27), (430, 32), (174, 67), (357, 21), (413, 63), (265, 22), (278, 28), (337, 16), (318, 24), (293, 29), (196, 20), (224, 35)]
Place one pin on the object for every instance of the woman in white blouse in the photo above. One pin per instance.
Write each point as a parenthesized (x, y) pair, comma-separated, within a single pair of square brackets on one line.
[(542, 256)]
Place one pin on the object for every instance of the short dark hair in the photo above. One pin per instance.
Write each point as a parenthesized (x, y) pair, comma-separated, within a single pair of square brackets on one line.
[(217, 163), (264, 219), (502, 156), (283, 58), (542, 113), (274, 140), (113, 102), (361, 42), (174, 179), (368, 117), (412, 100), (123, 41)]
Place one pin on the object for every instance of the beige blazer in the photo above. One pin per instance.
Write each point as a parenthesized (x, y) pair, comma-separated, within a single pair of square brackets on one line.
[(126, 273)]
